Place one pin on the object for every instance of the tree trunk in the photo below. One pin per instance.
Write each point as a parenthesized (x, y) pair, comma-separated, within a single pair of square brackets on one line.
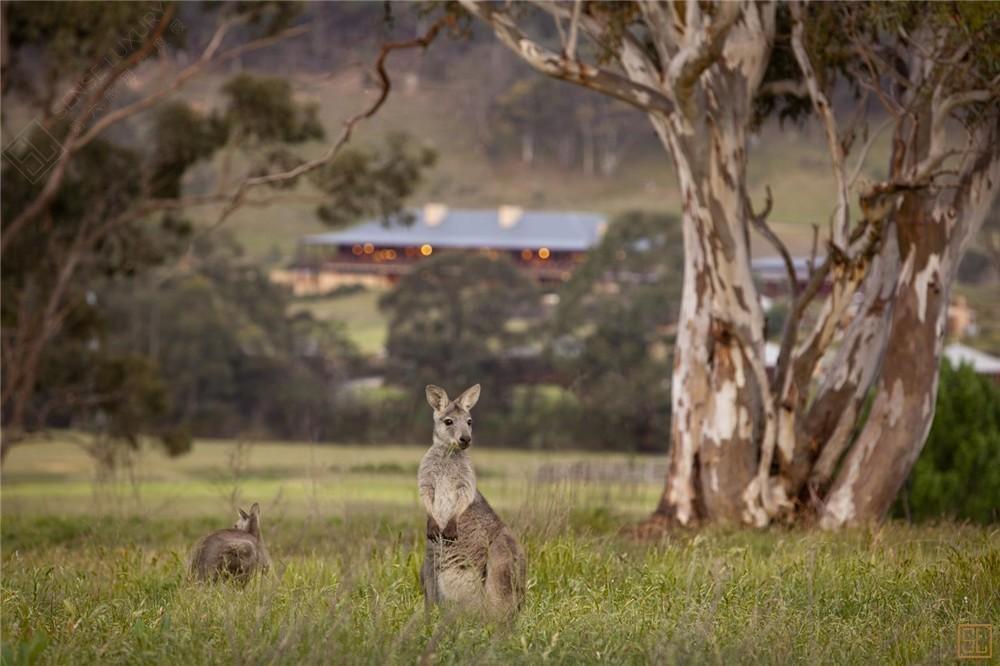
[(717, 409), (932, 232)]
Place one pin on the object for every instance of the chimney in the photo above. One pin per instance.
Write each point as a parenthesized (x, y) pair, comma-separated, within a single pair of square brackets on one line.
[(434, 213), (509, 216)]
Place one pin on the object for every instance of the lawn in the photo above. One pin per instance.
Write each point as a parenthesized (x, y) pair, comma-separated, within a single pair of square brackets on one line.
[(94, 572)]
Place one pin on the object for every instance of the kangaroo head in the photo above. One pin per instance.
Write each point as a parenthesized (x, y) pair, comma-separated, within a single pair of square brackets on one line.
[(249, 522), (452, 422)]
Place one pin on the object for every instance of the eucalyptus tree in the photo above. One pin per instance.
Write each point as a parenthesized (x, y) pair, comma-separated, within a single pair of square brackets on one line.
[(748, 446)]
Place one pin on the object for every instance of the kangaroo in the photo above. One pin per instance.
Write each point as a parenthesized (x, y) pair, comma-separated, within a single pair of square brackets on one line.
[(472, 558), (236, 553)]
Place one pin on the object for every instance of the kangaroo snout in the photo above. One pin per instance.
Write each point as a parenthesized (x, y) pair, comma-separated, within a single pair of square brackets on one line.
[(464, 441)]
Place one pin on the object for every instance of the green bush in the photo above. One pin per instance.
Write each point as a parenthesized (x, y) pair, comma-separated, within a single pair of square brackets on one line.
[(958, 473)]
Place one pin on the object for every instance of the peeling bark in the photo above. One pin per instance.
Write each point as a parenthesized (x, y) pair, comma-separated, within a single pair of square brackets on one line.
[(932, 232)]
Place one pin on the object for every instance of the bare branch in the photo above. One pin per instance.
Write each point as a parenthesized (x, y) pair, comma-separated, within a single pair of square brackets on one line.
[(239, 197), (866, 148), (574, 25), (59, 169), (941, 110), (632, 55), (759, 222), (821, 104), (615, 85), (202, 63)]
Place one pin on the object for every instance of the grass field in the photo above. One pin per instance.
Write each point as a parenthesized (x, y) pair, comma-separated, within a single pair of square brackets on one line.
[(95, 573)]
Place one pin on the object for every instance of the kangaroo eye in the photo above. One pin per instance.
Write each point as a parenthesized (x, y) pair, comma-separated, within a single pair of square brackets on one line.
[(470, 421), (448, 421)]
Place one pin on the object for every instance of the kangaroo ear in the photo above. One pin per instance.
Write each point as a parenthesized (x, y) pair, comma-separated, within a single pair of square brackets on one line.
[(436, 397), (255, 509), (244, 515), (469, 398)]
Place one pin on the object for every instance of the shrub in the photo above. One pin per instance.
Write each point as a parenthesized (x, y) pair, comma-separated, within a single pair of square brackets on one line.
[(958, 473)]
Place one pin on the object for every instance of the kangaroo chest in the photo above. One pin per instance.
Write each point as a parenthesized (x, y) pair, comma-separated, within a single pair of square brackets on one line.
[(454, 483)]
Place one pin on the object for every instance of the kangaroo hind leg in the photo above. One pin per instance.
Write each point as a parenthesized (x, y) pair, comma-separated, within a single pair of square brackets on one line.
[(505, 576)]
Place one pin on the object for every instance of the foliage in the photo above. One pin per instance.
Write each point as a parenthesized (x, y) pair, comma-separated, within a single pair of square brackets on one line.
[(830, 28), (614, 334), (262, 109), (76, 374), (957, 475), (363, 182), (181, 137), (79, 38)]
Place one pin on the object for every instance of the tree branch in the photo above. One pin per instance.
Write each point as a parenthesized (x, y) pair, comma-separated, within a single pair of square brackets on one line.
[(615, 85), (239, 196), (202, 63), (759, 222), (59, 170), (821, 104)]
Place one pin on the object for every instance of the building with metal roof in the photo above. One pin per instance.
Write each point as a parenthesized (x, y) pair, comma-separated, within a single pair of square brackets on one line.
[(548, 244), (505, 228)]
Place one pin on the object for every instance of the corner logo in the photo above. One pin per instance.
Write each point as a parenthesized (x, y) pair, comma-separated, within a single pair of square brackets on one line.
[(975, 641), (33, 152)]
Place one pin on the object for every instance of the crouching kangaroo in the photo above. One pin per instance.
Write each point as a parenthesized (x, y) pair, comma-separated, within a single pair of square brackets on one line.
[(237, 553), (472, 558)]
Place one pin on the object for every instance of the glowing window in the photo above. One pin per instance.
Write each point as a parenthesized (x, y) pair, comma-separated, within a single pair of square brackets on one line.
[(369, 248), (426, 250), (543, 253), (526, 255), (357, 250)]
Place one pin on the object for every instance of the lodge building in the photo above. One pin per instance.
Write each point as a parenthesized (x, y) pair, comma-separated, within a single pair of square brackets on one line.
[(546, 244)]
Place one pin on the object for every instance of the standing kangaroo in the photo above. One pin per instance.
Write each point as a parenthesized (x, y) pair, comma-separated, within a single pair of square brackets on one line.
[(236, 553), (472, 558)]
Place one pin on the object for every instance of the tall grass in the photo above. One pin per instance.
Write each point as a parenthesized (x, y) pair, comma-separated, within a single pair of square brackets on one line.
[(111, 587)]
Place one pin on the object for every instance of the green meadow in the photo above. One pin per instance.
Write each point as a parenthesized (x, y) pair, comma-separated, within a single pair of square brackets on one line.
[(93, 568)]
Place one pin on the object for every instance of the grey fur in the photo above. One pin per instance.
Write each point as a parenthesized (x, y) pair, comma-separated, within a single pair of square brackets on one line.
[(236, 553), (472, 558)]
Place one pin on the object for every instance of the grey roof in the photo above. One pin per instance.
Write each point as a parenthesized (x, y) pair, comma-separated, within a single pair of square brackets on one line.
[(567, 231)]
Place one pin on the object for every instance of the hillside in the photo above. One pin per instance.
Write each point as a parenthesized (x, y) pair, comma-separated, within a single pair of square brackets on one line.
[(470, 173)]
